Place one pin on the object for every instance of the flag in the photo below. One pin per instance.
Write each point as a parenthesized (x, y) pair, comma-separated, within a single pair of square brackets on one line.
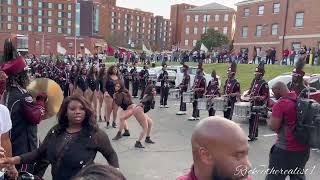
[(87, 51), (145, 49), (61, 50), (110, 51), (203, 48)]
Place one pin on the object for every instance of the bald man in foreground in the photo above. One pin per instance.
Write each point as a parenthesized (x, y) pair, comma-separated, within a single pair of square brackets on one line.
[(220, 151)]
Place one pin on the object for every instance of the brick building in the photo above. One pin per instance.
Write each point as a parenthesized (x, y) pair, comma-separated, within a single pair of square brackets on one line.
[(198, 20), (132, 28), (177, 18), (278, 24)]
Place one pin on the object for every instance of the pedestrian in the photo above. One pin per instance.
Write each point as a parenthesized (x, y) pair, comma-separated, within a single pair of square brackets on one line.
[(144, 77), (73, 143), (126, 76), (220, 151), (213, 91), (254, 55), (231, 90), (287, 154), (102, 76), (26, 113), (112, 77), (184, 86), (199, 88), (292, 56), (297, 83), (93, 87), (135, 80), (259, 96), (164, 87)]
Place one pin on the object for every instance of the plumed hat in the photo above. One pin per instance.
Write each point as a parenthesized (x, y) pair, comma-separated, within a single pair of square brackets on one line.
[(260, 69), (232, 68), (14, 66), (298, 70)]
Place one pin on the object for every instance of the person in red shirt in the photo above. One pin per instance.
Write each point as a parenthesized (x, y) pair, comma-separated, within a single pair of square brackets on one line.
[(287, 153), (220, 151)]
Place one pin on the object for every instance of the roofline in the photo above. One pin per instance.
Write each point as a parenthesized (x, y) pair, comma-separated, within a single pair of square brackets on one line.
[(246, 2), (211, 10)]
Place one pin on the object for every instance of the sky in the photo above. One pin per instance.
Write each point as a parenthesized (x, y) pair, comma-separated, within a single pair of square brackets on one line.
[(162, 7)]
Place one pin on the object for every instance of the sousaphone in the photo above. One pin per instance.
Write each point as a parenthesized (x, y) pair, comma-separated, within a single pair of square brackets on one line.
[(53, 91)]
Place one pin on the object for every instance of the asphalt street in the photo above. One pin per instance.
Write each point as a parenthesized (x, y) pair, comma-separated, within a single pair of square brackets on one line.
[(171, 155)]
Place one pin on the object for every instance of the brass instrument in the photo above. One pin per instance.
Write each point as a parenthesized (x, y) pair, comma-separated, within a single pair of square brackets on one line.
[(53, 91)]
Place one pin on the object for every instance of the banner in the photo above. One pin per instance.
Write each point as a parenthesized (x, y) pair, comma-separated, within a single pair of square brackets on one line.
[(203, 48)]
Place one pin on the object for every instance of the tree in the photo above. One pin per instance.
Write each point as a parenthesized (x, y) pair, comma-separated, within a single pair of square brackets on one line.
[(116, 39), (212, 39)]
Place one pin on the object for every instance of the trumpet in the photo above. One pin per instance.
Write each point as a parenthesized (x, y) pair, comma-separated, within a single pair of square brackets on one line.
[(52, 90)]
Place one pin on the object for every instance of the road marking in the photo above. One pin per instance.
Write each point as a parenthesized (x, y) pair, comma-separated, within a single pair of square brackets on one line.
[(269, 135)]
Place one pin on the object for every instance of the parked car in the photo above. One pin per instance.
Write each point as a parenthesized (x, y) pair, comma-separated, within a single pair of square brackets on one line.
[(192, 73)]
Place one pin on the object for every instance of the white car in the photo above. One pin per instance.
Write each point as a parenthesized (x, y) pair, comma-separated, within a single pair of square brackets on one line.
[(192, 73)]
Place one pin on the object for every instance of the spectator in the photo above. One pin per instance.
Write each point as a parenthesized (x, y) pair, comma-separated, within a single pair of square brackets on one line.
[(219, 148), (99, 172), (287, 154), (292, 56), (285, 55)]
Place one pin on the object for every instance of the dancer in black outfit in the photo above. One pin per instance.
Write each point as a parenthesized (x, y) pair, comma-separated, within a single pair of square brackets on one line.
[(81, 84), (93, 83), (101, 79)]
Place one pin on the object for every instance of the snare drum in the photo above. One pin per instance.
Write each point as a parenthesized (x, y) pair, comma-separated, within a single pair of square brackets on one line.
[(242, 110), (187, 97), (220, 103), (174, 94), (202, 104)]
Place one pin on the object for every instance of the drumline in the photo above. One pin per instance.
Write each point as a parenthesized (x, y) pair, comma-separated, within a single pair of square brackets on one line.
[(242, 109)]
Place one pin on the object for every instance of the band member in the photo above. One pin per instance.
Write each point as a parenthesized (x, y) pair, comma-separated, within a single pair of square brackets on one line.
[(144, 77), (124, 100), (231, 89), (112, 76), (81, 84), (184, 88), (259, 96), (164, 87), (93, 83), (126, 76), (25, 112), (135, 80), (199, 88), (64, 79), (298, 84), (213, 90)]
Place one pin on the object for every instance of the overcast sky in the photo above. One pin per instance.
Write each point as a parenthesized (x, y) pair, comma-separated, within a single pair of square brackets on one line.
[(162, 7)]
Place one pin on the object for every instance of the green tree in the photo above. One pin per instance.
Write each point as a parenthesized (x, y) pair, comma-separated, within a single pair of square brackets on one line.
[(212, 39)]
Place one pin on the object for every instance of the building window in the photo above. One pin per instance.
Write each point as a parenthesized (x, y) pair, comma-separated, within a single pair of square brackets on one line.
[(226, 17), (29, 19), (39, 21), (206, 18), (204, 30), (216, 18), (49, 29), (186, 42), (195, 30), (49, 13), (187, 30), (112, 26), (29, 27), (113, 14), (49, 7), (216, 28), (9, 18), (69, 15), (69, 31), (59, 14), (59, 30), (29, 11), (225, 30), (276, 8), (39, 12), (49, 21), (194, 43), (274, 29), (69, 7), (296, 46), (196, 18), (40, 5), (9, 26), (188, 18), (9, 2), (19, 19), (69, 23), (59, 22), (260, 10), (9, 9), (258, 30), (299, 19), (29, 3), (39, 28), (60, 6), (245, 31), (246, 12), (19, 27), (19, 10), (19, 2)]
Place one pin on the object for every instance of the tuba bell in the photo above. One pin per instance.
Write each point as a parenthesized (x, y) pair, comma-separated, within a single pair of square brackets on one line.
[(52, 90)]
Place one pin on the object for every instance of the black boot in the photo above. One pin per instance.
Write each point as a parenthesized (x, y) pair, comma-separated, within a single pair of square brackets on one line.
[(138, 144), (107, 126), (126, 133), (114, 125), (100, 119), (149, 141), (118, 136)]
